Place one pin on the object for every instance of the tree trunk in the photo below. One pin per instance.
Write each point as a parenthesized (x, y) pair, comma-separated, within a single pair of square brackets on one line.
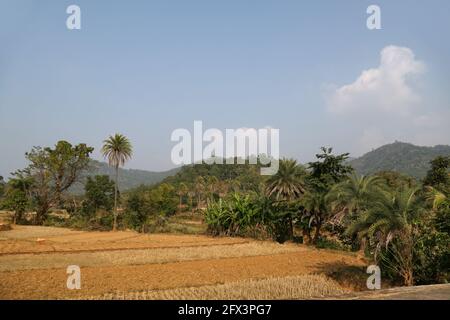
[(41, 213), (317, 233), (362, 246), (115, 199), (408, 278), (291, 229), (306, 236)]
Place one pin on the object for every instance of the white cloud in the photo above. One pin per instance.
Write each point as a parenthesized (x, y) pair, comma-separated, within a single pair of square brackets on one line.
[(384, 89), (384, 105)]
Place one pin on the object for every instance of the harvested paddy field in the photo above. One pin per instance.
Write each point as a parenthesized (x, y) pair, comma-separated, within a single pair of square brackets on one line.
[(128, 265)]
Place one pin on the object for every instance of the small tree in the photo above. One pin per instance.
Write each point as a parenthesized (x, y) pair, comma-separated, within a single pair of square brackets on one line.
[(137, 209), (16, 198), (99, 194), (328, 170), (52, 172), (438, 176)]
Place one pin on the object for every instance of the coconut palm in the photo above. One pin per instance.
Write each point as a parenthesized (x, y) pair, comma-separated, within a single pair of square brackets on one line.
[(389, 222), (118, 150)]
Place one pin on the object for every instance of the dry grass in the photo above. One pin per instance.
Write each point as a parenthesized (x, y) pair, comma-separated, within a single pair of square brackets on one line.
[(31, 232), (22, 240), (151, 265), (142, 256), (294, 287)]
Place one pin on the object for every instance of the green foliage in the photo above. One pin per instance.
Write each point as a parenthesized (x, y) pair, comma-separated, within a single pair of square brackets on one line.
[(145, 204), (99, 194), (15, 197), (249, 215), (396, 181), (431, 254), (438, 176), (289, 182), (244, 177), (390, 224), (328, 169)]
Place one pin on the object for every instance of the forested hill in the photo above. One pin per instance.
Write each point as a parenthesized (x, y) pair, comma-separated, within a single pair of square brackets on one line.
[(128, 178), (401, 157)]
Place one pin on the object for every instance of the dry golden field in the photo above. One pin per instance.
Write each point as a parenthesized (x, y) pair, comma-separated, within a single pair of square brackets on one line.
[(128, 265)]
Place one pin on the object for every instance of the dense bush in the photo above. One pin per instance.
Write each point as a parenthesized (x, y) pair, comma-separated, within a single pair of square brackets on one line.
[(249, 215)]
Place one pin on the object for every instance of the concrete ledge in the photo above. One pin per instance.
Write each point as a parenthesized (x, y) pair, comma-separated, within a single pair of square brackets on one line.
[(430, 292)]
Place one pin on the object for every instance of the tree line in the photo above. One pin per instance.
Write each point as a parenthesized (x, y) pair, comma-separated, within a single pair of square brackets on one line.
[(400, 223)]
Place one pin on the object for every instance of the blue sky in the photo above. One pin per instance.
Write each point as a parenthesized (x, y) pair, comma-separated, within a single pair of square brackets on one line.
[(145, 68)]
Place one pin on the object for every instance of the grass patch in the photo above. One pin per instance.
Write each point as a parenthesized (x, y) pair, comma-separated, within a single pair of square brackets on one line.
[(294, 287)]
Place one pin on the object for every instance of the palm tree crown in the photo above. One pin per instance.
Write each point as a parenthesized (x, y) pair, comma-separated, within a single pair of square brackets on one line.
[(353, 195), (117, 149), (288, 183)]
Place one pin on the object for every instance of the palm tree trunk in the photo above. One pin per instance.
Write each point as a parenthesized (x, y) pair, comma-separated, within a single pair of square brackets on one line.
[(115, 199), (317, 233)]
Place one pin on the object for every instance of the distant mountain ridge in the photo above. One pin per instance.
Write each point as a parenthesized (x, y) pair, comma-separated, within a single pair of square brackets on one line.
[(128, 178), (401, 157)]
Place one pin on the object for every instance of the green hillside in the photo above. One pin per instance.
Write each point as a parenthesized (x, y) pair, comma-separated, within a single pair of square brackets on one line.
[(128, 178), (400, 157)]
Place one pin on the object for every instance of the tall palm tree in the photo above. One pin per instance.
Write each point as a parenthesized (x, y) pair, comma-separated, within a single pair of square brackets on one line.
[(118, 150), (287, 184), (389, 222)]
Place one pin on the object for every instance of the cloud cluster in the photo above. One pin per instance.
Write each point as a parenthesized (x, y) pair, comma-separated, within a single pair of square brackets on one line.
[(382, 89), (383, 105)]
